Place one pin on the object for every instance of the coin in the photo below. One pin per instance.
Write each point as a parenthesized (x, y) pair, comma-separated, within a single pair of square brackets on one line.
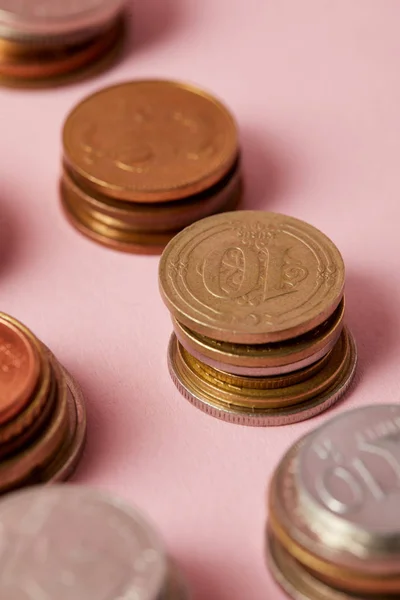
[(267, 359), (150, 141), (19, 369), (74, 543), (55, 18), (237, 406), (251, 277)]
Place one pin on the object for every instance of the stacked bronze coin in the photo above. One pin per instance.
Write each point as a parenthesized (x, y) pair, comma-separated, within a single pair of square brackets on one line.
[(258, 305), (144, 159), (334, 527), (44, 41), (42, 413), (72, 543)]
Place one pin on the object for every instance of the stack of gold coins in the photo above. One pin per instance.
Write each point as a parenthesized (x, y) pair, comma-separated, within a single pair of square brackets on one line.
[(43, 41), (258, 305), (42, 413), (144, 159), (334, 527), (67, 542)]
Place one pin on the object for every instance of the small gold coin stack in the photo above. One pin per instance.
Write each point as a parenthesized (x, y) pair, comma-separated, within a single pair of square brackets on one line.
[(333, 529), (144, 159), (42, 413), (45, 41), (258, 306)]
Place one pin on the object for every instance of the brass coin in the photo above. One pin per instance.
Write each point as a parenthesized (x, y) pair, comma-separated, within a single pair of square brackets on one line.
[(251, 277), (264, 355), (229, 406), (145, 218), (119, 239), (150, 141), (32, 64)]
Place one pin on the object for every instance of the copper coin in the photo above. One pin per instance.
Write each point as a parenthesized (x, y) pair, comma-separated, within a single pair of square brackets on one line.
[(122, 240), (19, 368), (209, 399), (268, 357), (146, 218), (251, 277), (66, 542), (150, 141), (58, 61)]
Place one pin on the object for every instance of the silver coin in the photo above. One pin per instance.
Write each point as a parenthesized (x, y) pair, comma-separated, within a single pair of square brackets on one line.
[(349, 478), (268, 417), (38, 18), (67, 542)]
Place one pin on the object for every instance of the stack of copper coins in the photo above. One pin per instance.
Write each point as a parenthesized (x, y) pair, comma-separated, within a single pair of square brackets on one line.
[(68, 542), (47, 40), (334, 527), (42, 414), (144, 159), (258, 305)]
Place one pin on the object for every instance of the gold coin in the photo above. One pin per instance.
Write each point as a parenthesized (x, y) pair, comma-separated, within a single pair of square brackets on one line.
[(251, 277), (150, 141), (265, 355)]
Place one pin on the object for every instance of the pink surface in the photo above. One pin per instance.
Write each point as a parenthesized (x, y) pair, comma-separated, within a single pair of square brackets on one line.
[(315, 87)]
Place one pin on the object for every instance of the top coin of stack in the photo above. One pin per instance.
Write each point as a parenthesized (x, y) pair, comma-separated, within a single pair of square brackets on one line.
[(44, 41), (144, 159), (334, 527), (258, 306), (72, 543), (42, 413)]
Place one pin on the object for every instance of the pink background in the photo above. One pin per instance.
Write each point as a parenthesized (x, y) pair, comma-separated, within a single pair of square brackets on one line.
[(315, 87)]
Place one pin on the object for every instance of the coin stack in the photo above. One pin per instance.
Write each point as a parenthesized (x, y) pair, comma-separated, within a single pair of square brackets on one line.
[(144, 159), (334, 527), (44, 41), (258, 306), (71, 543), (42, 413)]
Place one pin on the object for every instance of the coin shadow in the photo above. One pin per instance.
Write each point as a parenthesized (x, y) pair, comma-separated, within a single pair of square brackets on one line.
[(203, 580), (372, 320), (267, 173), (152, 21)]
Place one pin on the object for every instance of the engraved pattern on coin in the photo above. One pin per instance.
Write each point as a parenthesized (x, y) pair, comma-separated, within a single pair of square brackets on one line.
[(251, 272), (149, 136), (351, 467), (70, 543)]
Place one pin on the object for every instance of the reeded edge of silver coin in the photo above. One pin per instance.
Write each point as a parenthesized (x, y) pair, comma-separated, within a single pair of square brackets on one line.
[(19, 28), (256, 371), (272, 417), (295, 580)]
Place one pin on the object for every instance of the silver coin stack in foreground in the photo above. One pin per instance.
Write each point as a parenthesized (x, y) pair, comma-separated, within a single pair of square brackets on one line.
[(72, 543), (334, 519)]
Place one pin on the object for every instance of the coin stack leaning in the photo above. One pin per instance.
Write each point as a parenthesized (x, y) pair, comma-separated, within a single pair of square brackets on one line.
[(71, 543), (144, 159), (45, 41), (257, 305), (42, 413), (334, 527)]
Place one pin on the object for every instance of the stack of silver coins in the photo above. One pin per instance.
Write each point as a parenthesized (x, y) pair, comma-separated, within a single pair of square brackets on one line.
[(334, 511), (65, 542)]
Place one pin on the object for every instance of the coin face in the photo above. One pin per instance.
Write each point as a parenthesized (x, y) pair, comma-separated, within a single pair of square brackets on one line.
[(350, 469), (251, 277), (150, 141), (55, 17), (72, 543), (19, 369)]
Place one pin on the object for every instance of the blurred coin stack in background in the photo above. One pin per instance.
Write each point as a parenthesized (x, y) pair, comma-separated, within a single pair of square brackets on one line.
[(94, 547), (257, 303), (45, 41), (334, 528), (144, 159), (42, 413)]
